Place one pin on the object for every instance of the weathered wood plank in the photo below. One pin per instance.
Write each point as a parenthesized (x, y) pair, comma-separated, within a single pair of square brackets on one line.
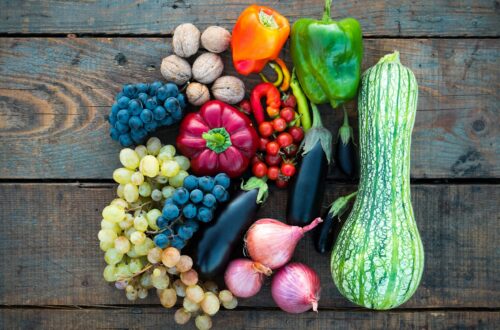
[(50, 253), (384, 17), (55, 93), (154, 318)]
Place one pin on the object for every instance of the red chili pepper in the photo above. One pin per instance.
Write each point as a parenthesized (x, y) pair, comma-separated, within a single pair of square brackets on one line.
[(218, 138), (273, 101)]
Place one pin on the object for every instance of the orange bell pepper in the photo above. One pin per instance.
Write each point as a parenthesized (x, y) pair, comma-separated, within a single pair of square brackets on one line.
[(258, 36)]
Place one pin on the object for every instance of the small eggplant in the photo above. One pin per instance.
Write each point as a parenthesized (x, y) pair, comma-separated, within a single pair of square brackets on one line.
[(346, 155), (307, 188), (325, 233), (216, 244)]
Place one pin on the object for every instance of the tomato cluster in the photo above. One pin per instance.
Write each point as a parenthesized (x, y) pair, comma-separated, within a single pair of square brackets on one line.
[(279, 143)]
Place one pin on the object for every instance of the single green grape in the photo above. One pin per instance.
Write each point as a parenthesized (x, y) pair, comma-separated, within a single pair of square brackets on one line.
[(113, 213), (106, 235), (131, 193), (167, 191), (122, 175), (183, 162), (168, 150), (105, 246), (112, 256), (135, 265), (141, 223), (110, 273), (137, 178), (137, 237), (153, 145), (151, 216), (129, 158), (141, 151), (178, 180), (122, 244), (149, 166), (145, 189), (170, 168)]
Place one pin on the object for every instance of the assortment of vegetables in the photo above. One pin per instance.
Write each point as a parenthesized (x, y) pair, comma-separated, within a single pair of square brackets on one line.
[(378, 259), (161, 209)]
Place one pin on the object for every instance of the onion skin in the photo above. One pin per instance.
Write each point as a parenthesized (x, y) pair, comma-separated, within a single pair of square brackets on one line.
[(296, 288), (244, 278), (272, 242)]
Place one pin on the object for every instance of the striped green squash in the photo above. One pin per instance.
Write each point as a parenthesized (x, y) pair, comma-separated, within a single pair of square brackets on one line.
[(378, 259)]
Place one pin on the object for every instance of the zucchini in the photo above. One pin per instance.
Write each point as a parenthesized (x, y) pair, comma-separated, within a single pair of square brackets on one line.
[(378, 258)]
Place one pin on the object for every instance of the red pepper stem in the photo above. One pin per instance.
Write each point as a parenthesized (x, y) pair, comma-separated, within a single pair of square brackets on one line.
[(327, 11), (218, 139)]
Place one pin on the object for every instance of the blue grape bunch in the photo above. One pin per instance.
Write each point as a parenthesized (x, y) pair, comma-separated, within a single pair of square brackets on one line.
[(189, 205), (141, 108)]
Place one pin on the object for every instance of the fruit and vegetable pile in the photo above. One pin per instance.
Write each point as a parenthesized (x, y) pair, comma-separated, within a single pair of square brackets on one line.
[(184, 213)]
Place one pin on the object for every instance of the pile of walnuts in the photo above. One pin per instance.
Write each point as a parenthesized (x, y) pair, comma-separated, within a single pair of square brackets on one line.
[(206, 69)]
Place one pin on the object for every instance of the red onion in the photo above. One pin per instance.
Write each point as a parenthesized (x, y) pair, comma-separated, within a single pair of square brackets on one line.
[(244, 277), (296, 288), (272, 242)]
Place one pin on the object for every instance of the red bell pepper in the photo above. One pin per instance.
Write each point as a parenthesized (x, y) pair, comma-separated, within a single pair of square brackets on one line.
[(218, 138), (273, 101)]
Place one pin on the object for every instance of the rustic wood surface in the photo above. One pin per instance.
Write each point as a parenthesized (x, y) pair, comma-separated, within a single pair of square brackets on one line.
[(158, 318), (56, 89), (378, 18), (53, 106)]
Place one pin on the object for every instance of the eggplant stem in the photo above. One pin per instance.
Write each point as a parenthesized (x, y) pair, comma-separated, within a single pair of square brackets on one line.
[(316, 116), (339, 206)]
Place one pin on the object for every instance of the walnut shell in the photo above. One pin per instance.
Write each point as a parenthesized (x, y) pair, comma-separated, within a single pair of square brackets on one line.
[(175, 69), (186, 40), (215, 39), (228, 89), (197, 93), (207, 67)]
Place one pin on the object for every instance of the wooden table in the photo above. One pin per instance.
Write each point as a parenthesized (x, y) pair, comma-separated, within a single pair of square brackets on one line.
[(61, 63)]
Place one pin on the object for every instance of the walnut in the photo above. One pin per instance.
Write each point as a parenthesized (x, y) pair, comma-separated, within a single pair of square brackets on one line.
[(175, 69), (186, 40), (197, 93), (207, 67), (215, 39), (228, 89)]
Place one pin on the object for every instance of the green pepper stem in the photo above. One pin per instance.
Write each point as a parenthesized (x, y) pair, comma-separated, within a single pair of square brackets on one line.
[(327, 11)]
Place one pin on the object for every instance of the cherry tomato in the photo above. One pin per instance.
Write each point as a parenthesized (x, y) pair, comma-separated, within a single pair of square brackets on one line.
[(284, 139), (279, 124), (245, 107), (291, 150), (281, 182), (263, 142), (266, 129), (297, 134), (289, 101), (273, 160), (272, 148), (259, 169), (287, 114), (273, 173), (288, 169)]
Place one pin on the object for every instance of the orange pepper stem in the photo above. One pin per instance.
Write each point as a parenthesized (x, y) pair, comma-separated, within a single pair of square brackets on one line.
[(286, 74)]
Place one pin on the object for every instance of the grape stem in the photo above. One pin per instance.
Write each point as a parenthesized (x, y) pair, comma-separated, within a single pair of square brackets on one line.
[(139, 207), (146, 268)]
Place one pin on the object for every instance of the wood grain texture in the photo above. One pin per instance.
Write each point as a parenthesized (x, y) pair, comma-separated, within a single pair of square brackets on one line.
[(51, 256), (383, 17), (155, 318), (55, 94)]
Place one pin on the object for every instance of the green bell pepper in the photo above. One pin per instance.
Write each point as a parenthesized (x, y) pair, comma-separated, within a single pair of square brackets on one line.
[(327, 57)]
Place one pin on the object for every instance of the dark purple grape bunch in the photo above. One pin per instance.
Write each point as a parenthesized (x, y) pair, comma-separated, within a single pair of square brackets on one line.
[(142, 108), (189, 205)]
